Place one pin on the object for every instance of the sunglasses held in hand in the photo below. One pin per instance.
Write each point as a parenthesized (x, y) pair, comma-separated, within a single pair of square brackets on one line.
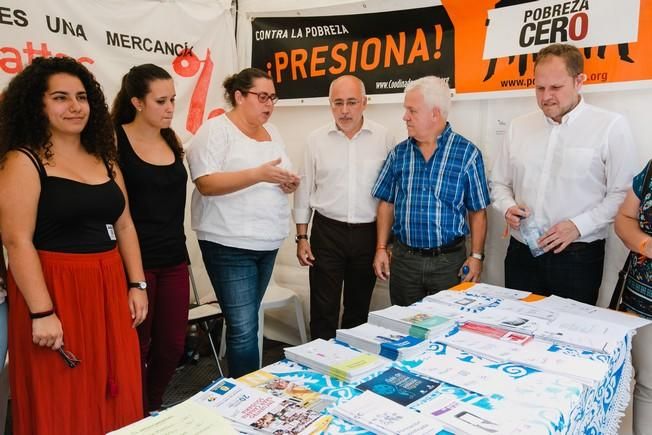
[(68, 357)]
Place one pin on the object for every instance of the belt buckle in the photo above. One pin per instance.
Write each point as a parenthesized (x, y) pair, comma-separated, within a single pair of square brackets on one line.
[(430, 252)]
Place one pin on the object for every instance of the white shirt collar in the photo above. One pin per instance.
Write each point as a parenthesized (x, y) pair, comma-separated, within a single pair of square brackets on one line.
[(333, 128)]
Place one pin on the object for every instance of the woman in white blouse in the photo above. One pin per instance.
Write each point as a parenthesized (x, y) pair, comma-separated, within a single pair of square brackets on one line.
[(240, 208)]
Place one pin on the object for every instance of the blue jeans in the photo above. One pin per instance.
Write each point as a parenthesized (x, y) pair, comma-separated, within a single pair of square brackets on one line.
[(3, 334), (239, 278)]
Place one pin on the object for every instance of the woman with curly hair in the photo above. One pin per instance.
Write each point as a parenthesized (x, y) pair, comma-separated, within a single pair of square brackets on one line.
[(70, 239), (151, 159)]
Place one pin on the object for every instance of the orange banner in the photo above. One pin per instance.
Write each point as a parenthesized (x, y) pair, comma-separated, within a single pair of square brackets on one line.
[(623, 62)]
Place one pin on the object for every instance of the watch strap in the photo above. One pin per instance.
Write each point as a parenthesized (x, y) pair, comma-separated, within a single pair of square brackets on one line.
[(141, 285)]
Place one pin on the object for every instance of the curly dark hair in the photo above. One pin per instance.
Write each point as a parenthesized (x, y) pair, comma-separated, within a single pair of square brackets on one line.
[(23, 122), (136, 83)]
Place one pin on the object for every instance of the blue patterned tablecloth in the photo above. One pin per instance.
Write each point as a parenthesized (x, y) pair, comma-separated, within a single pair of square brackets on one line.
[(581, 411)]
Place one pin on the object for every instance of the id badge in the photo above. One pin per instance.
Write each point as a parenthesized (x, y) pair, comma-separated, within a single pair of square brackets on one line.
[(111, 231)]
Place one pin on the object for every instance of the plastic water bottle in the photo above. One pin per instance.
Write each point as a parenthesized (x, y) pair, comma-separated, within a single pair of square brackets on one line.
[(531, 233)]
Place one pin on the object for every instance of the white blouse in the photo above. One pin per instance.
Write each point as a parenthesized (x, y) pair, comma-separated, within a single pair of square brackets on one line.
[(256, 217)]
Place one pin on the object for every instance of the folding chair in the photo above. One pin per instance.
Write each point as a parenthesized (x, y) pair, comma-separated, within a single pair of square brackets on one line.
[(207, 316)]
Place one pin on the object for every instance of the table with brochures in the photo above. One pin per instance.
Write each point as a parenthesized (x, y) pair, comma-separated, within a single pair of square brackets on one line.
[(562, 367)]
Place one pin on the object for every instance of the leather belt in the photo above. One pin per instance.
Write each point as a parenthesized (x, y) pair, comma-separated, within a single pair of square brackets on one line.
[(453, 246)]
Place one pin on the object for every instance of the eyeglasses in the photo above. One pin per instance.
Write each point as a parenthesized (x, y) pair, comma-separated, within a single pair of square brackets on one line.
[(264, 96), (68, 357), (351, 104)]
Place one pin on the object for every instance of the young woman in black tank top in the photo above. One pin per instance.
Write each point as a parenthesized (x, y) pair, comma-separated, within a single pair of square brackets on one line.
[(69, 237), (151, 159)]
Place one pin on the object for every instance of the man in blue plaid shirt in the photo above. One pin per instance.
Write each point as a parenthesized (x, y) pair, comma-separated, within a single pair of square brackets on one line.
[(427, 187)]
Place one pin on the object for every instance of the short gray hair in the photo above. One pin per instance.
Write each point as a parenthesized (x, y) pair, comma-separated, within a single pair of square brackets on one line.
[(435, 91), (360, 82)]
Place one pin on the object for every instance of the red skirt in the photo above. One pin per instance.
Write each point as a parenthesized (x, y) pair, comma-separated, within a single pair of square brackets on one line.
[(103, 392)]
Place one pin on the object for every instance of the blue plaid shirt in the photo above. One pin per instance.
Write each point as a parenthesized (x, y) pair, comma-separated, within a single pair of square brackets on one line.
[(431, 198)]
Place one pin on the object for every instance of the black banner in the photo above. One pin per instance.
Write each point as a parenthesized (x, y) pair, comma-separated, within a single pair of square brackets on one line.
[(385, 50)]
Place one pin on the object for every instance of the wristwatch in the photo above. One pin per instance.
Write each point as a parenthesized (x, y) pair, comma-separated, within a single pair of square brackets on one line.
[(140, 285), (478, 256), (300, 237)]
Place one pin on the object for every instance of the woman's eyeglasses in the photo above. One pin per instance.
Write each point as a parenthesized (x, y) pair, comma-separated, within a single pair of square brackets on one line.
[(68, 357), (264, 96)]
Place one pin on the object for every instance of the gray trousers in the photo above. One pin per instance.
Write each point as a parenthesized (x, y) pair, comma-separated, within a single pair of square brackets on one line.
[(413, 277)]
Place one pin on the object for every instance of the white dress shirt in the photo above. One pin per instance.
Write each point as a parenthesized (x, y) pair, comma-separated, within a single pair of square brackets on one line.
[(253, 218), (579, 169), (339, 173)]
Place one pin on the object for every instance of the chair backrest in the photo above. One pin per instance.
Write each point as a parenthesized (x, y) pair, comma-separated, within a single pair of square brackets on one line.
[(193, 284)]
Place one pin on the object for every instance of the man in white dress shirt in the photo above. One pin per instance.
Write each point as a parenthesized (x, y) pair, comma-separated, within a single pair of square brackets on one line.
[(568, 168), (342, 161)]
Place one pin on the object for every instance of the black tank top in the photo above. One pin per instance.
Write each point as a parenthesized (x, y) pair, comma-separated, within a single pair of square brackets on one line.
[(157, 201), (75, 217)]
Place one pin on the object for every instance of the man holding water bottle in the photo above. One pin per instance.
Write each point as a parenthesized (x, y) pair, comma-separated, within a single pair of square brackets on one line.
[(559, 179)]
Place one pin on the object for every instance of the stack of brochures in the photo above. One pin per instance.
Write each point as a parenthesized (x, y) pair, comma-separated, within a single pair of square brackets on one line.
[(382, 341), (335, 360), (384, 417), (412, 321), (252, 411)]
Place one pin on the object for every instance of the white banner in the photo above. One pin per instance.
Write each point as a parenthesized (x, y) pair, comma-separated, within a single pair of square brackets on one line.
[(528, 27), (193, 40)]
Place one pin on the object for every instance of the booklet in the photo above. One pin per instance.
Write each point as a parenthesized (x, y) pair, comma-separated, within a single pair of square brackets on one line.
[(382, 416), (498, 292), (522, 385), (463, 301), (252, 410), (186, 418), (268, 383), (481, 345), (461, 418), (496, 332), (399, 386)]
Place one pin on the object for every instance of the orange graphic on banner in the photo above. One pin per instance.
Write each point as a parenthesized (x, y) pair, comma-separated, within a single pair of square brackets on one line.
[(187, 65), (613, 63)]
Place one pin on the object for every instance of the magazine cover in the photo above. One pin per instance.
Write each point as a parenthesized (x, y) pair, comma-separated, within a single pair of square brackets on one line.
[(399, 386)]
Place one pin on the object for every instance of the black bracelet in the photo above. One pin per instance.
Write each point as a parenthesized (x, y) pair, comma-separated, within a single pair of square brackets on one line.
[(41, 314)]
